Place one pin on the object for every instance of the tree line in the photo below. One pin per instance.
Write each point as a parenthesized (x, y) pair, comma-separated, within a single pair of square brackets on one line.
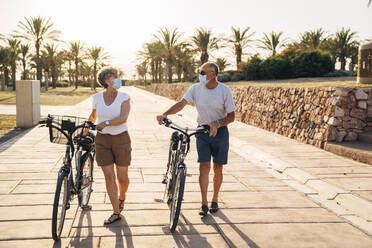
[(168, 54), (35, 47)]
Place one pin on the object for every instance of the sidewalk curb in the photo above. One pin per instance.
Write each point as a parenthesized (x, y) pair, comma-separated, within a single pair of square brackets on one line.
[(353, 209)]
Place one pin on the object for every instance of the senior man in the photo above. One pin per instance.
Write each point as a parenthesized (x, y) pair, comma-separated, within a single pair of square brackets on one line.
[(215, 106)]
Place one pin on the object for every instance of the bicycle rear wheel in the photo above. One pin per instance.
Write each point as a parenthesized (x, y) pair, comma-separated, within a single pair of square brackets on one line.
[(86, 180), (61, 201), (177, 197)]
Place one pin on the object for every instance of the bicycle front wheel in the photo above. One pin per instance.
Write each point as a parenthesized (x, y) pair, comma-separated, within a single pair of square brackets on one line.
[(86, 182), (177, 198), (61, 201)]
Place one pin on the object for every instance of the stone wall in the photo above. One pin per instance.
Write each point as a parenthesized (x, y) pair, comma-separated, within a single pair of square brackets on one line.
[(310, 115)]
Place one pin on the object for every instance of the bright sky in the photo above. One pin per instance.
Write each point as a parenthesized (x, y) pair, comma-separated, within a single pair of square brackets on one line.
[(121, 27)]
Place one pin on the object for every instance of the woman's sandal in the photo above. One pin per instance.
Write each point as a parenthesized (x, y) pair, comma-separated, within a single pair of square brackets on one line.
[(121, 205), (114, 217)]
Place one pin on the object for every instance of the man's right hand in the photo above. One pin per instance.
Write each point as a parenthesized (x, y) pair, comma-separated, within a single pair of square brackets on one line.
[(160, 118)]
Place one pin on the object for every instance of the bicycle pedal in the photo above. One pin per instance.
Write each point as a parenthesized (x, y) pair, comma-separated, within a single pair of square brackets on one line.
[(188, 175), (158, 200), (86, 207), (67, 206)]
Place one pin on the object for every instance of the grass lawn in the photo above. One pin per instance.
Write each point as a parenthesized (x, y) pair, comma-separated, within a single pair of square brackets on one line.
[(7, 124), (57, 97), (302, 82)]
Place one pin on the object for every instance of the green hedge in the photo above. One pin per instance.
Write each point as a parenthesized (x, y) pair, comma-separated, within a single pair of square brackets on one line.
[(304, 64), (312, 64)]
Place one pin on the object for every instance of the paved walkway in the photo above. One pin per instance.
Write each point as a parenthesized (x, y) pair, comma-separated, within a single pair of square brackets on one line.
[(276, 192)]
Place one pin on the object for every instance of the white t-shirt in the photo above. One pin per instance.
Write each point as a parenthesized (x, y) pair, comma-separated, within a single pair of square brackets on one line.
[(211, 104), (105, 113)]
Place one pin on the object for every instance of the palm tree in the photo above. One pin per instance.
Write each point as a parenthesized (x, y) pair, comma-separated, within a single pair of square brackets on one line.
[(4, 62), (37, 29), (272, 42), (353, 54), (51, 57), (342, 42), (204, 42), (142, 70), (168, 40), (313, 40), (152, 52), (222, 63), (240, 40), (98, 56), (25, 53), (184, 55), (14, 51), (77, 51)]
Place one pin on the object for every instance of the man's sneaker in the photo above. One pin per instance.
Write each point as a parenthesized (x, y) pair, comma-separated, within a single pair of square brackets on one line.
[(203, 210), (214, 207)]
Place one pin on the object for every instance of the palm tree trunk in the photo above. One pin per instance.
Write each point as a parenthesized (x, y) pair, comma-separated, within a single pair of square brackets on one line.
[(94, 76), (152, 71), (6, 76), (343, 62), (170, 73), (14, 71), (76, 73), (238, 58), (69, 73), (24, 76), (3, 82), (54, 78), (46, 80), (38, 63), (204, 57)]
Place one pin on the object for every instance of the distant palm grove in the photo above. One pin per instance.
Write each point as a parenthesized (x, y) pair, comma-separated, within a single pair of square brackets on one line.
[(171, 58), (34, 50)]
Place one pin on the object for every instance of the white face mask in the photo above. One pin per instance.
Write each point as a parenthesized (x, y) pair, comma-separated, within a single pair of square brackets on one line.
[(117, 83), (203, 79)]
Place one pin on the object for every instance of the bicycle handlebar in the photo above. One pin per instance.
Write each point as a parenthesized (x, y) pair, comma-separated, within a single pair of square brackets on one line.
[(169, 123)]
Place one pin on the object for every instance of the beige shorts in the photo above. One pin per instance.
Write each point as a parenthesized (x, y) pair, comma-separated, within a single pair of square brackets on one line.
[(112, 149)]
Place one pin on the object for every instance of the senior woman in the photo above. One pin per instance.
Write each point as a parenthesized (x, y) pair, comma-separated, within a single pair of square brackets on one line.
[(113, 145)]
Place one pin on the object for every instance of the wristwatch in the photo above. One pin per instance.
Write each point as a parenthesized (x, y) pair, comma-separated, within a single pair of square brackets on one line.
[(107, 123)]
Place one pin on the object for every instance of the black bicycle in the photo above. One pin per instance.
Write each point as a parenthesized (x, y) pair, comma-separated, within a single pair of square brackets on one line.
[(68, 130), (175, 176)]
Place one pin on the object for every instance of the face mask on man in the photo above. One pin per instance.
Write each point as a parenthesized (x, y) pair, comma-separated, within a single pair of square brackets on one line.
[(117, 83), (203, 79)]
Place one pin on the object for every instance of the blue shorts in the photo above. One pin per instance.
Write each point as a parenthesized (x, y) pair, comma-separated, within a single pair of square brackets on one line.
[(216, 147)]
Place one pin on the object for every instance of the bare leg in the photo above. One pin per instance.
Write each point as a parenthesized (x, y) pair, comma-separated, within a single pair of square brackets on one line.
[(123, 180), (111, 187), (204, 180), (217, 181)]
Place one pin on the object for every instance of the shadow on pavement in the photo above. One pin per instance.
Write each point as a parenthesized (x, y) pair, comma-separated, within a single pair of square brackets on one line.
[(183, 231), (210, 219), (87, 239), (121, 232), (12, 137)]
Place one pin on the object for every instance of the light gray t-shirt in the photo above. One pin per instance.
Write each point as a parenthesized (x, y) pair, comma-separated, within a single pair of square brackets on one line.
[(211, 104)]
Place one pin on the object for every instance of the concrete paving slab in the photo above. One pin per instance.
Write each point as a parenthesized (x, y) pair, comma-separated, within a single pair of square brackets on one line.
[(294, 235), (200, 240)]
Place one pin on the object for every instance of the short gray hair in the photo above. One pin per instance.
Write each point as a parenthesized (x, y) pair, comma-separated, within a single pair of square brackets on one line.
[(105, 73), (212, 65)]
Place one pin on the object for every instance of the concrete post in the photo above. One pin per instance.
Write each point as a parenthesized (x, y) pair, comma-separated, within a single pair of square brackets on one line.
[(365, 64), (27, 103)]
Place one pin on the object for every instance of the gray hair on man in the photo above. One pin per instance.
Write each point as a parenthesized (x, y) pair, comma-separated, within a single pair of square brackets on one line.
[(212, 65), (105, 73)]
